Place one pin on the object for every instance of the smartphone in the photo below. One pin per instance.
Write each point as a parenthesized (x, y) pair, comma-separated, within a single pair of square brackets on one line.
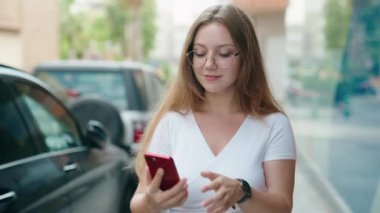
[(155, 161)]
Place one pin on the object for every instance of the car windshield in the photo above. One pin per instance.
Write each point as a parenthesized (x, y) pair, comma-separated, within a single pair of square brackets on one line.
[(104, 84)]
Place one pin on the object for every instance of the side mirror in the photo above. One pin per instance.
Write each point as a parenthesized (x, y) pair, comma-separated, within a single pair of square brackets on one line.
[(96, 135)]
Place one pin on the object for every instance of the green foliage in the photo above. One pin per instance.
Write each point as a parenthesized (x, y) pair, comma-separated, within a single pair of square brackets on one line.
[(98, 29), (338, 14), (117, 19), (149, 27), (70, 27), (81, 30)]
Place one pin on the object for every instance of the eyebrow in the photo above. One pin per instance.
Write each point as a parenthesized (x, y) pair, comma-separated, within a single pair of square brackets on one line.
[(219, 46)]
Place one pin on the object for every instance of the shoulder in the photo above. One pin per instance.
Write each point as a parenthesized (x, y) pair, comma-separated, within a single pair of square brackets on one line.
[(173, 117), (278, 122), (273, 120), (276, 118)]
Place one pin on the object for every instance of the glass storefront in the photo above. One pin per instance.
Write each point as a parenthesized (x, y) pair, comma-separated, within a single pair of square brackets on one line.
[(333, 101)]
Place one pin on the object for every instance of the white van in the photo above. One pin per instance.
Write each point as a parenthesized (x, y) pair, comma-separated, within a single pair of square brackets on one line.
[(134, 88)]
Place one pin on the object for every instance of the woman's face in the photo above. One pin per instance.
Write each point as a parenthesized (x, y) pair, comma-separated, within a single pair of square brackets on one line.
[(215, 59)]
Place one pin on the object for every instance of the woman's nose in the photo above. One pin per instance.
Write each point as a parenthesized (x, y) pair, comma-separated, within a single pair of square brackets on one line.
[(210, 62)]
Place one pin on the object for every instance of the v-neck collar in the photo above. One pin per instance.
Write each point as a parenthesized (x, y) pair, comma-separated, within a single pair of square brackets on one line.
[(204, 143)]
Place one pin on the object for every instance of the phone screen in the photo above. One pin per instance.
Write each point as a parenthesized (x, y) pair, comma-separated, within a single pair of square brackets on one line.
[(155, 161)]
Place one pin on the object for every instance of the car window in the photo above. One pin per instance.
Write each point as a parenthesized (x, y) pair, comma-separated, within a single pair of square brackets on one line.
[(15, 142), (106, 84), (58, 128), (139, 78), (155, 89)]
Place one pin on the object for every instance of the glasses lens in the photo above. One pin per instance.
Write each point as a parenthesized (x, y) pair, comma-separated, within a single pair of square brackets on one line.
[(197, 60), (223, 62)]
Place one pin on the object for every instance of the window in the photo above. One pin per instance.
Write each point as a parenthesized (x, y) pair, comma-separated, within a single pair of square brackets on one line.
[(108, 85), (139, 78), (156, 89), (334, 99), (58, 129), (15, 142)]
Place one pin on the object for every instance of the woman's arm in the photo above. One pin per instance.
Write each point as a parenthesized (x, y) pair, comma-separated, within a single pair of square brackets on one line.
[(149, 198), (279, 179)]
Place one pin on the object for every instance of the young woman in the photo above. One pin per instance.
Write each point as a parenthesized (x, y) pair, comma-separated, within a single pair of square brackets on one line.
[(232, 144)]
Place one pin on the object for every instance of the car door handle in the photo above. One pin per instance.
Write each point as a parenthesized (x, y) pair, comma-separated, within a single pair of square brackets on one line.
[(7, 197), (70, 167)]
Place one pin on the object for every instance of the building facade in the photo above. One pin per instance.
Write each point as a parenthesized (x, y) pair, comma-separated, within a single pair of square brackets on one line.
[(269, 20), (29, 32)]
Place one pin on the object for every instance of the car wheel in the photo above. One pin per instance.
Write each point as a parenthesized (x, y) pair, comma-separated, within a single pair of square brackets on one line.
[(86, 109)]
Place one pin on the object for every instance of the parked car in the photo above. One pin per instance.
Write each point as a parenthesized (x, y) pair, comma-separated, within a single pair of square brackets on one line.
[(46, 163), (134, 88)]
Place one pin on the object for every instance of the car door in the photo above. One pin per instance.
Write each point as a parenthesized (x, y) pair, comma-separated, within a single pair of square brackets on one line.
[(94, 178), (29, 179)]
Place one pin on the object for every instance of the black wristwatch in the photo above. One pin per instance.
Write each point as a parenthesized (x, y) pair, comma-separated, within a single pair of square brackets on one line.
[(246, 189)]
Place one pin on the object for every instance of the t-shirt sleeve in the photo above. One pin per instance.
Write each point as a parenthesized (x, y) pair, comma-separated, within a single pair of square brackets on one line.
[(281, 144), (160, 143)]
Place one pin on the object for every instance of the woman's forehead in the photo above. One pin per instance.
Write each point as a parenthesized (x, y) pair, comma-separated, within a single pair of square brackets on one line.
[(214, 35)]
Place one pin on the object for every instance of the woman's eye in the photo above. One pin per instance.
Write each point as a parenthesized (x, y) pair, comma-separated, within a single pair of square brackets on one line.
[(199, 54), (225, 55)]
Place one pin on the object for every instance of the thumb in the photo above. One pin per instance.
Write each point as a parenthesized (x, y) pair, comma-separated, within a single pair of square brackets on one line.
[(156, 182), (148, 177)]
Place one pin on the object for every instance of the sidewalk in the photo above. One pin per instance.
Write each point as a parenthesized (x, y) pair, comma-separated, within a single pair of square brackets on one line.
[(312, 193), (306, 197)]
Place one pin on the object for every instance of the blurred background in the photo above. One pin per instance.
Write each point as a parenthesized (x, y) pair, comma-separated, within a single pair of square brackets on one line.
[(322, 58)]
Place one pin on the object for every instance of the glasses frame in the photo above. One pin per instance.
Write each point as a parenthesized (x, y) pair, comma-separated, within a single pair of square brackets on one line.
[(189, 59)]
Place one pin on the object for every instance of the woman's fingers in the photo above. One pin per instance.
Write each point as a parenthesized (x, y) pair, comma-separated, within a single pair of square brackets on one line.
[(172, 192), (210, 175), (224, 188), (182, 201), (219, 201), (213, 185), (219, 209), (177, 199), (214, 199), (219, 206), (156, 182), (172, 197), (148, 177)]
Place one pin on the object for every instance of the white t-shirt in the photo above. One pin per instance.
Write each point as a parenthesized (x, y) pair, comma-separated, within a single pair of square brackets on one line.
[(257, 140)]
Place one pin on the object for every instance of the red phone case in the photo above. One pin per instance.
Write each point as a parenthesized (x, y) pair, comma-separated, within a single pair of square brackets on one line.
[(155, 161)]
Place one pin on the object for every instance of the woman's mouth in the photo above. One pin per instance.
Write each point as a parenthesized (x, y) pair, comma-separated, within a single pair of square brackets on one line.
[(212, 77)]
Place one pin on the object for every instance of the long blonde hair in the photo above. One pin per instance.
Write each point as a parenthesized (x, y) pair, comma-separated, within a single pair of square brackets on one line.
[(185, 92)]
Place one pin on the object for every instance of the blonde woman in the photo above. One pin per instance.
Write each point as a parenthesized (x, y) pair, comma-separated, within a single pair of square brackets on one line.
[(231, 142)]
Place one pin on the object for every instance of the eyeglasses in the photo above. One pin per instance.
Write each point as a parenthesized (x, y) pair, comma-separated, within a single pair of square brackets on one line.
[(198, 59)]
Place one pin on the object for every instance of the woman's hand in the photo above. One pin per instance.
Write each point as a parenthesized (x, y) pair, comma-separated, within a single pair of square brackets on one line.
[(157, 199), (227, 192)]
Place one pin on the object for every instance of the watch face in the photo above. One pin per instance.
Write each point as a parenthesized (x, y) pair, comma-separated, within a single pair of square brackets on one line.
[(246, 189)]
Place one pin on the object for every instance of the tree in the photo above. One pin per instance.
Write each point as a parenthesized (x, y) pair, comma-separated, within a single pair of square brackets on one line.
[(149, 27), (338, 13), (117, 17), (70, 30), (115, 24), (139, 28)]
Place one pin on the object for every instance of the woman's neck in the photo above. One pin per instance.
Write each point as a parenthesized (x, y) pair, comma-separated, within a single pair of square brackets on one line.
[(221, 103)]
